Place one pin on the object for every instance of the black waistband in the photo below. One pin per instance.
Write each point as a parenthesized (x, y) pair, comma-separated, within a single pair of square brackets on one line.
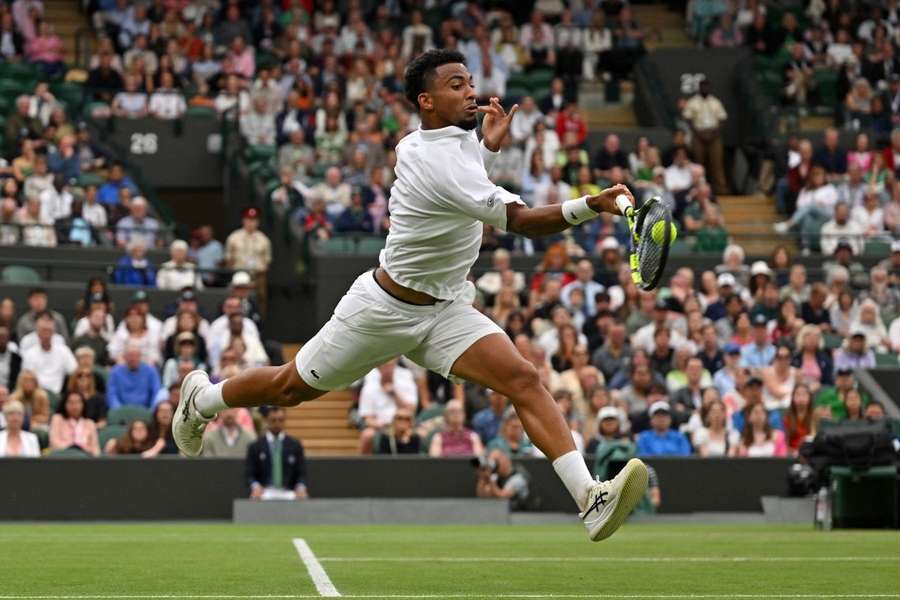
[(388, 292)]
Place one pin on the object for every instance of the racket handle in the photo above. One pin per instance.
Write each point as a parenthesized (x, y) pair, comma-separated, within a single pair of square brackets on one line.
[(623, 204)]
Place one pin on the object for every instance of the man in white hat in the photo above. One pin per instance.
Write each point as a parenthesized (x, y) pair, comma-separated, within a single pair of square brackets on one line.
[(661, 439)]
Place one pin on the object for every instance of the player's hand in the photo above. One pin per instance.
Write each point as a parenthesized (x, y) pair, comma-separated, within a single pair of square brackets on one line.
[(496, 123), (605, 201), (256, 492)]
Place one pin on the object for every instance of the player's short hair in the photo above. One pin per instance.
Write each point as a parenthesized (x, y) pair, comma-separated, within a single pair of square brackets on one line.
[(421, 69)]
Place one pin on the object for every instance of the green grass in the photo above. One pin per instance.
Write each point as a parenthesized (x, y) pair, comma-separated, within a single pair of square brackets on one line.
[(642, 560)]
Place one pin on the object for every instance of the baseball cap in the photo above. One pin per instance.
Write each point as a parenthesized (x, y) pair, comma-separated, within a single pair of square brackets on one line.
[(895, 246), (754, 380), (240, 279), (609, 243), (760, 320), (726, 279), (760, 268), (187, 296), (97, 297), (844, 371), (250, 213), (857, 332), (608, 412), (659, 171), (844, 243), (660, 406), (731, 348), (140, 296)]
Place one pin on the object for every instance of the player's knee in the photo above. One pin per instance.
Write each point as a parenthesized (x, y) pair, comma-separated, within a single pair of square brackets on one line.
[(524, 380), (291, 389)]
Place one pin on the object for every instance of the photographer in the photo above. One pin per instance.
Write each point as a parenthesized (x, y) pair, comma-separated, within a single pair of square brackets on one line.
[(498, 478)]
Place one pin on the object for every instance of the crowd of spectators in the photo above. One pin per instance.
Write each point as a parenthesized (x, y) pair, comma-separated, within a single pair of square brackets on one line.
[(742, 360)]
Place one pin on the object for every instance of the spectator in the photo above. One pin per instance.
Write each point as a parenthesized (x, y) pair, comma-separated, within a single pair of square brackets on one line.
[(134, 268), (841, 229), (83, 380), (131, 103), (356, 217), (760, 353), (135, 332), (455, 439), (108, 194), (167, 102), (104, 81), (400, 437), (94, 332), (14, 442), (11, 41), (830, 402), (10, 360), (92, 211), (511, 438), (275, 463), (498, 478), (229, 439), (52, 362), (133, 382), (779, 380), (37, 229), (254, 354), (21, 125), (33, 398), (714, 438), (208, 253), (813, 311), (248, 249), (178, 273), (661, 439), (258, 127), (750, 394), (70, 428), (854, 407), (854, 353), (706, 114), (385, 389), (758, 438), (869, 323), (138, 226), (136, 440), (487, 421), (799, 423), (161, 431)]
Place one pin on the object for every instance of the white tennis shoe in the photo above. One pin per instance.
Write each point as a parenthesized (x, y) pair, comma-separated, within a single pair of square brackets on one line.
[(188, 424), (610, 502)]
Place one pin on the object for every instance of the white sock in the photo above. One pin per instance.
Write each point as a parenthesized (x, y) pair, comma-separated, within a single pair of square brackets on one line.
[(209, 402), (575, 476)]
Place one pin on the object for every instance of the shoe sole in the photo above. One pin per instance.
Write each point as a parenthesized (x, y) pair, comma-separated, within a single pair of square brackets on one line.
[(631, 492), (182, 406)]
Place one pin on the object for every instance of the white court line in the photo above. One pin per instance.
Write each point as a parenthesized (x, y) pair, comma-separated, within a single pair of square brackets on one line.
[(424, 596), (318, 575), (612, 559)]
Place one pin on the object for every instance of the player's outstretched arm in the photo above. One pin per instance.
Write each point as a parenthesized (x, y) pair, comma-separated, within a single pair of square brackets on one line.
[(547, 220)]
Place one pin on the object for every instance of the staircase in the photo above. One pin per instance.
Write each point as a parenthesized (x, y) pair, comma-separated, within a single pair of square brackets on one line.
[(322, 424), (666, 28), (66, 19), (749, 220)]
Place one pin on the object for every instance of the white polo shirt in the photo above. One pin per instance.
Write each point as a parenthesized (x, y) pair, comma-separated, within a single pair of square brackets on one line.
[(439, 200)]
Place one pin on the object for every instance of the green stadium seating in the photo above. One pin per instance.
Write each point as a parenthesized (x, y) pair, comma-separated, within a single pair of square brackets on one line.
[(257, 153), (832, 340), (54, 400), (70, 452), (43, 437), (826, 87), (200, 112), (19, 274), (540, 79), (110, 432), (126, 414), (886, 359), (86, 179), (517, 91), (877, 247)]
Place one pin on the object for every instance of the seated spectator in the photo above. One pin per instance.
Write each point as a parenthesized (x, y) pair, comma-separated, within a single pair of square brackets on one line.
[(455, 439), (161, 431), (135, 268), (799, 423), (83, 380), (761, 351), (356, 217), (138, 225), (136, 440), (854, 353), (615, 352), (779, 379), (276, 466), (37, 229), (854, 407), (258, 127), (178, 273), (92, 211), (108, 194), (511, 438), (841, 229), (14, 442), (70, 428), (815, 202), (229, 439), (384, 390), (63, 160), (401, 437), (135, 332), (686, 397), (661, 439), (104, 81), (869, 216), (34, 399), (167, 102), (869, 323), (46, 50), (813, 311), (50, 361), (95, 331), (254, 355), (185, 351), (608, 433), (10, 359), (498, 478), (758, 438), (486, 422), (750, 393), (714, 438), (131, 103), (132, 382)]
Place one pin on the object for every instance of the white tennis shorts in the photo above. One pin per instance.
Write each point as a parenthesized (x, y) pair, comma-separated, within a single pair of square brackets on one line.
[(370, 327)]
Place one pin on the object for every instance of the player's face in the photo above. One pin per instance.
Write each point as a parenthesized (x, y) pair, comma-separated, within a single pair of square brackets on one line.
[(453, 96)]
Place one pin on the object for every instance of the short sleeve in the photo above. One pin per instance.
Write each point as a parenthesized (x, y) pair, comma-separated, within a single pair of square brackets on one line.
[(465, 186)]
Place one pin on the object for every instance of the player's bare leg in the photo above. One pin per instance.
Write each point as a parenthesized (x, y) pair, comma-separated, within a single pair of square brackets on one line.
[(201, 400), (494, 362)]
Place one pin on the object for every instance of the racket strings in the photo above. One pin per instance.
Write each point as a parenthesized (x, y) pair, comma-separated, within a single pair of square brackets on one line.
[(650, 254)]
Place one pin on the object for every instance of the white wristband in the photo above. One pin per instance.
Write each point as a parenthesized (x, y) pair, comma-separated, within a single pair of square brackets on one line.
[(623, 203), (577, 211)]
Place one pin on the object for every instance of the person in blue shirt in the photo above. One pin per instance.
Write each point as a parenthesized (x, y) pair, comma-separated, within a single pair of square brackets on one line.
[(134, 268), (761, 351), (133, 382), (486, 422), (752, 394), (108, 194), (661, 439)]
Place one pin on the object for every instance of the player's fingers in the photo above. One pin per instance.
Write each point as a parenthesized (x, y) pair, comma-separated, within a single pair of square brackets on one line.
[(490, 110), (495, 102), (512, 111)]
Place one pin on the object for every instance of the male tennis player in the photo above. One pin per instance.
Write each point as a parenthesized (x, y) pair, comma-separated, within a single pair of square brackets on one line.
[(418, 302)]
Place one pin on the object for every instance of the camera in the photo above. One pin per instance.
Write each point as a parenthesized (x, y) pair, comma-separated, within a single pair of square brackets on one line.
[(484, 462)]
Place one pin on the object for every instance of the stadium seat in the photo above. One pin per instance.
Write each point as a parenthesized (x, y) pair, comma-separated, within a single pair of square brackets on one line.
[(54, 399), (70, 452), (200, 112), (886, 359), (832, 340), (877, 247), (370, 245), (540, 79), (19, 274), (110, 432), (126, 414)]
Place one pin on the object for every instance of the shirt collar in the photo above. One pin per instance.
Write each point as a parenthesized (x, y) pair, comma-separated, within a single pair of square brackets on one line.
[(442, 132)]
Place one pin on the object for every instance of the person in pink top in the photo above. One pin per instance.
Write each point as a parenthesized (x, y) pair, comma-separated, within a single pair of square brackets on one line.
[(759, 439), (242, 58), (70, 429), (455, 439), (46, 50)]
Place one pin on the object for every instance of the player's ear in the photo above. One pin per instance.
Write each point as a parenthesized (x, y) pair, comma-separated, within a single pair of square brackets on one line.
[(425, 101)]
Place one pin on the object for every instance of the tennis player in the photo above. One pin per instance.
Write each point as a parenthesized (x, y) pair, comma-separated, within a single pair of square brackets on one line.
[(418, 302)]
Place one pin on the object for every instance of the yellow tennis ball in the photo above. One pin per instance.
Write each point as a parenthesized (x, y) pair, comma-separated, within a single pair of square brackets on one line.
[(658, 233)]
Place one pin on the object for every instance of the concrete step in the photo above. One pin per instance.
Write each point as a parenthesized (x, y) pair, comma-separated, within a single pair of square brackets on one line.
[(315, 447)]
